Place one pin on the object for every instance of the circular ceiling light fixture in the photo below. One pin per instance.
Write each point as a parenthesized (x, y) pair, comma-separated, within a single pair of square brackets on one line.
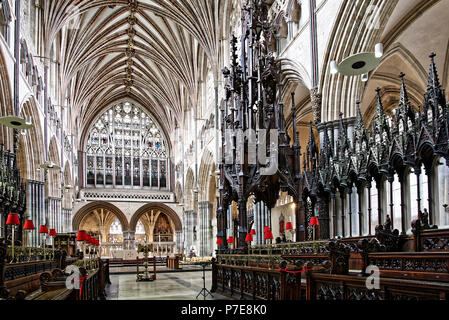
[(359, 64), (50, 165), (17, 122)]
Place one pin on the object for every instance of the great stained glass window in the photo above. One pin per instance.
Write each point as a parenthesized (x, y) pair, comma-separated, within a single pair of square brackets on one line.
[(126, 148)]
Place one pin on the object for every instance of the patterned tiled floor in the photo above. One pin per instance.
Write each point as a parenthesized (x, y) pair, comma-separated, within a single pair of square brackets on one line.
[(168, 286)]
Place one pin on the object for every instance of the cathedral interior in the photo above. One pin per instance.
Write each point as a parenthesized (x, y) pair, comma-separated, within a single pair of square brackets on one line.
[(288, 149)]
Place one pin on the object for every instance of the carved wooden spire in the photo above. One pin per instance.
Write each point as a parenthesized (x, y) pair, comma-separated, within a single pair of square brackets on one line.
[(404, 101), (379, 106), (312, 149), (435, 100), (343, 142), (433, 81), (326, 149)]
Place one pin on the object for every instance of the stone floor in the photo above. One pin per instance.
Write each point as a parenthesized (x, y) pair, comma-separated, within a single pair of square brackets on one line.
[(160, 269), (168, 286)]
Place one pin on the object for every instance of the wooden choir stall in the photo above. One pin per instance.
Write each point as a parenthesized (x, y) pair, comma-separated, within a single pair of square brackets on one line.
[(354, 194)]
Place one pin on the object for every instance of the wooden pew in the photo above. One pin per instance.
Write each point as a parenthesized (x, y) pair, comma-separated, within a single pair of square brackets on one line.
[(428, 237), (91, 287), (52, 287), (246, 282), (431, 240), (322, 286), (427, 266), (403, 276), (282, 281), (25, 276)]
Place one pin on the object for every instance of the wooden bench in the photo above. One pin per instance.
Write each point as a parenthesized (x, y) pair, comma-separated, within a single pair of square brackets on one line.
[(246, 282), (428, 266), (23, 278), (91, 287), (432, 240), (321, 286), (52, 287)]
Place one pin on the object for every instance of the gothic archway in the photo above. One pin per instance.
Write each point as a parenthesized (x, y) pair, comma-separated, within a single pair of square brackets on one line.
[(88, 209), (156, 207)]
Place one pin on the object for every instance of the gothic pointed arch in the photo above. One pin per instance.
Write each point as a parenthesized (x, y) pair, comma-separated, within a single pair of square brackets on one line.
[(188, 190), (156, 207), (207, 168), (98, 205), (54, 176), (339, 92), (31, 151), (6, 101), (68, 186)]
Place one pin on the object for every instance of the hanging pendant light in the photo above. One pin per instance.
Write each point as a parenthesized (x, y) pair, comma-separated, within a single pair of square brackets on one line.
[(18, 123), (50, 165)]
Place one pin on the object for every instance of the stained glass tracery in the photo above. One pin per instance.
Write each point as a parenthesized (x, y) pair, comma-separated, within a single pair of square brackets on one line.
[(126, 148)]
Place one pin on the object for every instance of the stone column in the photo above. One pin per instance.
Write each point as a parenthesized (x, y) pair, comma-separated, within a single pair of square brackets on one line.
[(129, 240), (210, 230), (179, 241), (230, 223), (291, 29), (203, 209)]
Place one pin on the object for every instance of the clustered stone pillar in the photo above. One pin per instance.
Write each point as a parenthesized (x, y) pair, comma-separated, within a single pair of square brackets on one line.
[(54, 213), (35, 207), (205, 235), (262, 218), (190, 225)]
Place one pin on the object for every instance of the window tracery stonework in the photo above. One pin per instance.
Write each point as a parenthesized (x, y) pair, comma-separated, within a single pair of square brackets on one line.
[(109, 195), (127, 148)]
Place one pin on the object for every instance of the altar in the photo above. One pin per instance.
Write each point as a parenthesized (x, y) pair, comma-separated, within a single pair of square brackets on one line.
[(124, 254)]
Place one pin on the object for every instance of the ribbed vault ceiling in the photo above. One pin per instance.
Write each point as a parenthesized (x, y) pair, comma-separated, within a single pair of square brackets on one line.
[(151, 51)]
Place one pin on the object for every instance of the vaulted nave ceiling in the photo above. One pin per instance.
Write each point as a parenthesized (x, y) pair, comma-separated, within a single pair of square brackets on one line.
[(150, 51)]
